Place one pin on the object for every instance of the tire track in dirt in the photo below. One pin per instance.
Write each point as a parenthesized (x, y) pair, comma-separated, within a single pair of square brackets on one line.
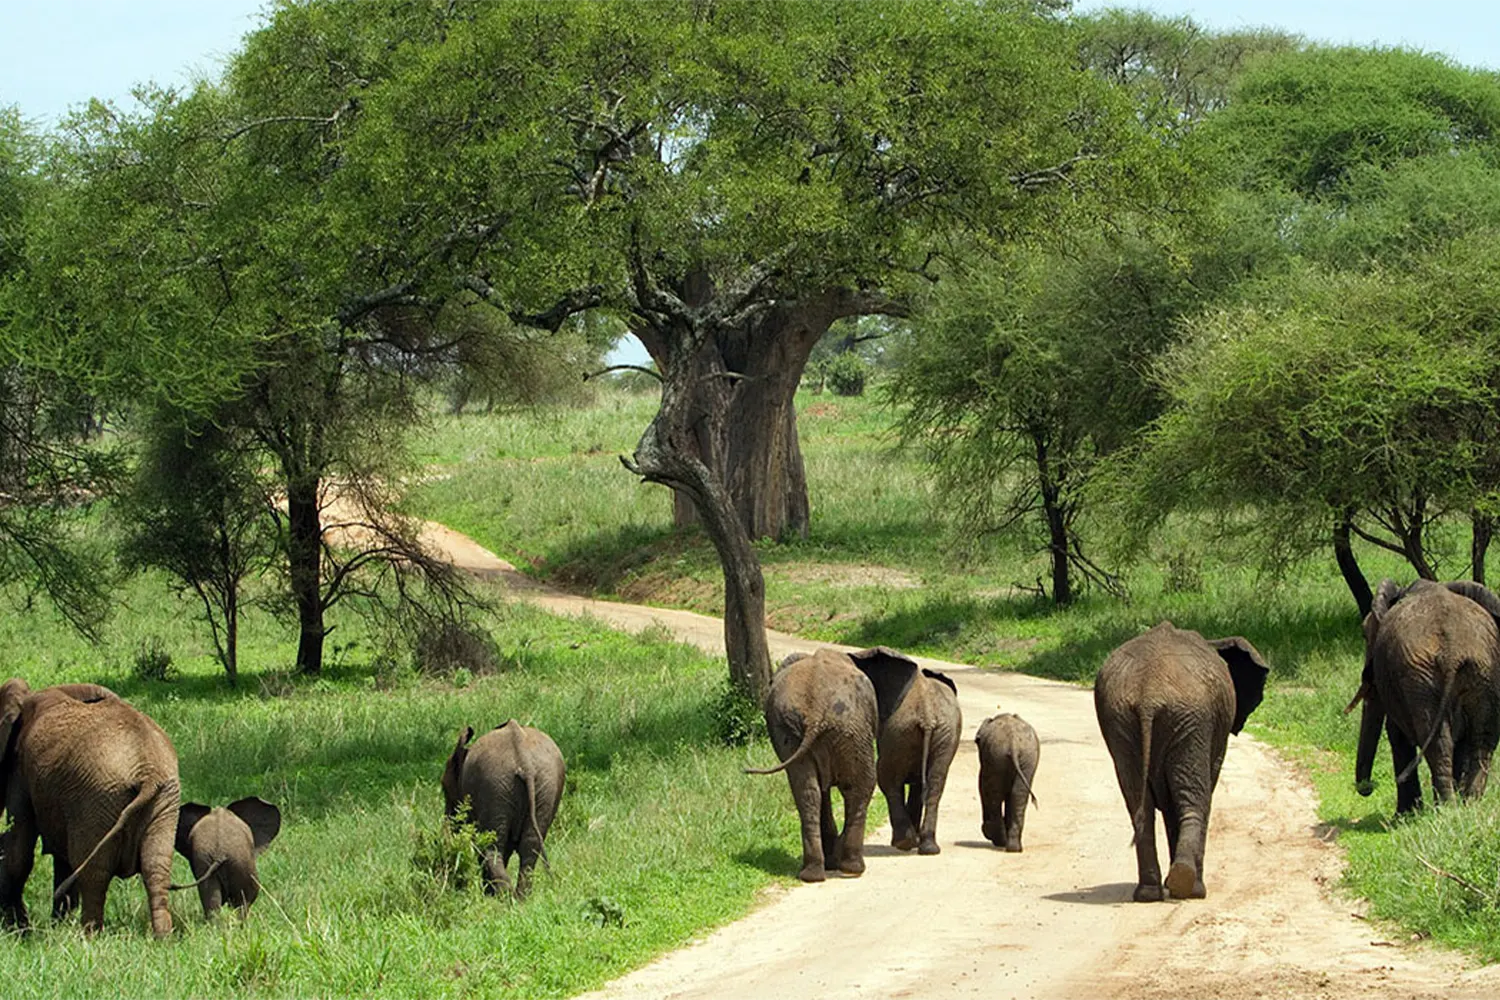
[(1056, 920)]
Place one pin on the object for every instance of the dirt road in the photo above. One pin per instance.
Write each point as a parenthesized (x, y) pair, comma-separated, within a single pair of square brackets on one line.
[(1056, 920)]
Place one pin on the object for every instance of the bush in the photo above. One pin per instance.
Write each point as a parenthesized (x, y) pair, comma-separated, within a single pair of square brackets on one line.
[(847, 374), (449, 647), (152, 660), (738, 720), (447, 858)]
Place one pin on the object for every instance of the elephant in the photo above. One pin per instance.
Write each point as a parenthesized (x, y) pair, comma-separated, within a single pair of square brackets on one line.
[(823, 718), (920, 727), (1432, 679), (222, 844), (96, 779), (1167, 702), (513, 778), (1009, 752)]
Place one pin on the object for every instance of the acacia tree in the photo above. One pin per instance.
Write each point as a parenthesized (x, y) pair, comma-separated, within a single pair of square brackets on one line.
[(731, 178)]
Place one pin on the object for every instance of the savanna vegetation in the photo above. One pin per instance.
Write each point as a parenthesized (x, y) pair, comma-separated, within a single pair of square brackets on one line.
[(1109, 319)]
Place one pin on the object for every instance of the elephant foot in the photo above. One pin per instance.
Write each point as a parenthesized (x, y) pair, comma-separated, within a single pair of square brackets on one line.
[(1013, 848), (1148, 893), (812, 873), (929, 847), (1183, 882), (904, 842), (852, 866)]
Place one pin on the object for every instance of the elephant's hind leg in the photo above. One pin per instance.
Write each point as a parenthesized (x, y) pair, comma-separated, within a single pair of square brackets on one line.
[(93, 890), (1148, 880), (829, 828), (851, 855), (1440, 763), (495, 863), (893, 787), (17, 856), (68, 901), (808, 795), (1403, 753), (1015, 816)]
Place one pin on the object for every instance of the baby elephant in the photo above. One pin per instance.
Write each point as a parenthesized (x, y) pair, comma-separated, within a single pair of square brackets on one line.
[(513, 778), (222, 845), (1008, 754)]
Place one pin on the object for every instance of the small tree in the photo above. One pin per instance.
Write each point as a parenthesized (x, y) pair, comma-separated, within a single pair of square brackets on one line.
[(199, 509)]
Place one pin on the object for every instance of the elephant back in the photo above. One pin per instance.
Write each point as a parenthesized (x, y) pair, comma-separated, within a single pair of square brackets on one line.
[(1431, 626), (495, 772), (1008, 735), (1164, 672)]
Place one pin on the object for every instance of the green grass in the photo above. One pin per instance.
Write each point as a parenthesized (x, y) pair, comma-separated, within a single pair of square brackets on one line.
[(879, 568), (658, 824)]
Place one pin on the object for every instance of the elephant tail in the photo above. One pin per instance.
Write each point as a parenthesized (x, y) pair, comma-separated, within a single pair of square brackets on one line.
[(1142, 818), (1021, 773), (541, 844), (808, 738), (148, 793), (1445, 705), (199, 880)]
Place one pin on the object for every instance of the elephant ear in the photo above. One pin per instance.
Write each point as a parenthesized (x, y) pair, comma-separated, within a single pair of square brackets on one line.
[(263, 819), (13, 695), (454, 770), (188, 815), (86, 693), (944, 678), (891, 672), (1248, 673), (1479, 594)]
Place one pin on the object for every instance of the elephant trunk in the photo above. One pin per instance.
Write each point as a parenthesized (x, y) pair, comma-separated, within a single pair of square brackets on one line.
[(1371, 721)]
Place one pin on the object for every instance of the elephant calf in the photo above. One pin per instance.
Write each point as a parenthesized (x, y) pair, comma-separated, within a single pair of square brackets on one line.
[(1167, 702), (513, 778), (1009, 752), (222, 844)]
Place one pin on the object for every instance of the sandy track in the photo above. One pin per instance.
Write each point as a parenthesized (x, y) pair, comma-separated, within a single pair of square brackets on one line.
[(1056, 920)]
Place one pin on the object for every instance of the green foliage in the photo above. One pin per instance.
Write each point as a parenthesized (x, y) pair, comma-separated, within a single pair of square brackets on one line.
[(738, 717), (449, 855), (152, 660), (846, 374)]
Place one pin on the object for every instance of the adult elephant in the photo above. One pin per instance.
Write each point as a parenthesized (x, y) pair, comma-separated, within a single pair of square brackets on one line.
[(1167, 701), (97, 781), (221, 845), (920, 726), (1432, 679), (513, 778), (822, 718)]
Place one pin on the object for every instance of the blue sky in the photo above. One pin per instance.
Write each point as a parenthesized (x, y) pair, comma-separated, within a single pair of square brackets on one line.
[(55, 54)]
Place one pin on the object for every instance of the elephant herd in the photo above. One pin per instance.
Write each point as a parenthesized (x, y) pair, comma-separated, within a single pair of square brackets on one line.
[(96, 780)]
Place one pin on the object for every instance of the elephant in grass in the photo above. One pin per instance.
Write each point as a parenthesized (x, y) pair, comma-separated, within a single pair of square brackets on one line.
[(822, 717), (1167, 702), (512, 777), (1432, 679), (1009, 752), (222, 844), (96, 779), (920, 727)]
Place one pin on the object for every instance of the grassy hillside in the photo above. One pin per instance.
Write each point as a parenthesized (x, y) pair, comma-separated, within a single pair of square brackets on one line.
[(353, 761), (548, 492)]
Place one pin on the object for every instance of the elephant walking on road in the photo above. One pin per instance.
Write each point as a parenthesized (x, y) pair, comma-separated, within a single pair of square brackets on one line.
[(920, 727), (97, 781), (1009, 752), (1167, 701), (513, 777), (822, 718), (1432, 679)]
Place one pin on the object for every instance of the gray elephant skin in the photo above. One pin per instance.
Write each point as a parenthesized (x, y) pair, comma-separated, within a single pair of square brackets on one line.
[(920, 728), (1009, 752), (1432, 678), (822, 718), (96, 779), (221, 845), (513, 778), (1167, 702)]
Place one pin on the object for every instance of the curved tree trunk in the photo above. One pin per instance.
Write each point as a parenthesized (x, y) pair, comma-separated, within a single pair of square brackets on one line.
[(1354, 577)]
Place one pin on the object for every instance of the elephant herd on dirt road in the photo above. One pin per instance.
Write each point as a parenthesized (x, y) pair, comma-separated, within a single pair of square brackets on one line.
[(96, 780)]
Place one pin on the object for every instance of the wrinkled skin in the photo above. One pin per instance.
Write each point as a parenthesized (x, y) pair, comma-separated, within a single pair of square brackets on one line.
[(822, 718), (1167, 702), (97, 781), (222, 844), (920, 726), (1009, 752), (1432, 679), (513, 778)]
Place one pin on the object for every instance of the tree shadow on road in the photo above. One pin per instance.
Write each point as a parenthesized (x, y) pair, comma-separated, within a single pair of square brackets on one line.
[(771, 860), (1107, 894)]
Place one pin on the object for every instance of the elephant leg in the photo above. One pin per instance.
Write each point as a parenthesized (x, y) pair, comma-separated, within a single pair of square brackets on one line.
[(852, 839), (495, 863), (1148, 869), (211, 895), (530, 850), (155, 863), (1471, 765), (1015, 816), (808, 795), (931, 795), (829, 828), (17, 855), (1403, 752), (893, 787), (68, 901), (1186, 829), (993, 800), (1440, 763), (93, 889)]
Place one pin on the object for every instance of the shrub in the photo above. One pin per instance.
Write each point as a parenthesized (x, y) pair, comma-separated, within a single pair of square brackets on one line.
[(449, 647), (847, 374), (152, 660)]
